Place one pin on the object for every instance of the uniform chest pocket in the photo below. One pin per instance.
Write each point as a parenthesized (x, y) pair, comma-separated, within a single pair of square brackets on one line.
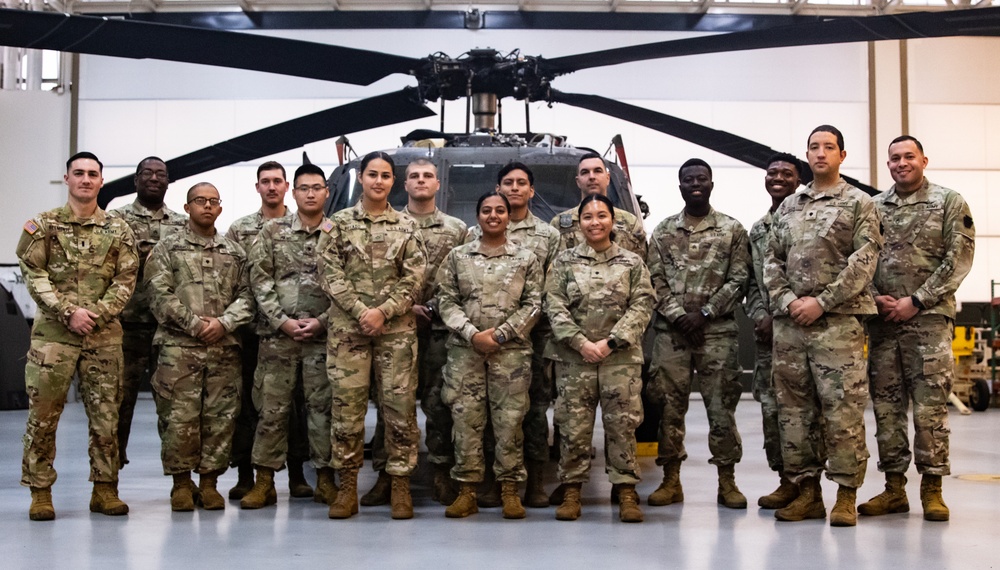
[(926, 227), (817, 223)]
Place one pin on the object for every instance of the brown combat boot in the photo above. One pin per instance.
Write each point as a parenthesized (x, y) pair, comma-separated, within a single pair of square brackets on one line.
[(263, 493), (670, 490), (570, 509), (534, 489), (844, 512), (346, 503), (729, 494), (400, 500), (326, 486), (104, 499), (298, 487), (380, 493), (465, 503), (182, 494), (512, 508), (245, 481), (782, 496), (443, 490), (628, 504), (808, 505), (41, 504), (892, 500), (931, 500), (209, 498)]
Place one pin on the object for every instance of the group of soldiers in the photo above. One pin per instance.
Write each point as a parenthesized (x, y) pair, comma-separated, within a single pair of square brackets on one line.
[(264, 346)]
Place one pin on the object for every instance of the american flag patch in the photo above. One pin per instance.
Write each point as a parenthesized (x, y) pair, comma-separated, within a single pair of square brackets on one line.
[(327, 226), (31, 227)]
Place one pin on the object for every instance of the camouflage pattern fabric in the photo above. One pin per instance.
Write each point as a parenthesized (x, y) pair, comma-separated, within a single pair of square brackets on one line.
[(628, 229), (139, 357), (757, 308)]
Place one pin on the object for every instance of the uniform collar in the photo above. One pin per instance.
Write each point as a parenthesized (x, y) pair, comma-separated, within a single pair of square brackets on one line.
[(158, 214), (508, 248), (205, 242), (584, 250), (835, 192), (922, 194), (390, 215), (65, 214), (709, 221), (434, 219), (529, 221)]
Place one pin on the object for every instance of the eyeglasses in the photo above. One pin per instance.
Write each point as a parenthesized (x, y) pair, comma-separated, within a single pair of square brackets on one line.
[(147, 173), (317, 188), (201, 201)]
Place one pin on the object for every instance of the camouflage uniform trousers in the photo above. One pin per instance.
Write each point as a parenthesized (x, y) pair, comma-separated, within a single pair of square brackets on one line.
[(580, 388), (912, 361), (820, 379), (197, 393), (139, 363), (246, 422), (763, 391), (493, 387), (47, 376), (355, 362), (674, 364), (288, 371)]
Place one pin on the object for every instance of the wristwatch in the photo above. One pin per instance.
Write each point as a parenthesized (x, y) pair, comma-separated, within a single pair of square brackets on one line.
[(499, 337), (705, 313), (613, 343), (917, 303)]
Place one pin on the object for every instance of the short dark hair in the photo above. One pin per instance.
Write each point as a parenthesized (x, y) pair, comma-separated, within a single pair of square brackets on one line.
[(372, 156), (828, 129), (308, 169), (138, 167), (786, 157), (591, 155), (85, 154), (512, 166), (197, 186), (693, 162), (271, 165), (598, 198), (490, 194), (903, 138)]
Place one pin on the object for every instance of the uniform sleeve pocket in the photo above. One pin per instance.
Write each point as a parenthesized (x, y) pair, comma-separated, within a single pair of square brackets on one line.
[(937, 363)]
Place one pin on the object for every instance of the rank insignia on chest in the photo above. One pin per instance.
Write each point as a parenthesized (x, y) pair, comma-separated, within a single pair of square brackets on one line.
[(31, 227), (206, 262), (566, 220), (811, 215), (378, 238)]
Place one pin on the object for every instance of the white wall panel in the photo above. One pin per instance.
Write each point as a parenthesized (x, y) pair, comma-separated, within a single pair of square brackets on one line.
[(117, 130), (954, 136), (954, 70)]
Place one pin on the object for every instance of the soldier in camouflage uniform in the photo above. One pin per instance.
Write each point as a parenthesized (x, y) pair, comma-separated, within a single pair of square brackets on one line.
[(930, 241), (373, 264), (699, 260), (285, 278), (780, 181), (516, 182), (150, 220), (489, 295), (594, 177), (818, 266), (599, 299), (200, 294), (79, 265), (272, 186)]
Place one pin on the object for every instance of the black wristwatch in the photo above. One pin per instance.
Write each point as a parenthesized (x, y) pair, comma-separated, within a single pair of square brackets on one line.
[(613, 343), (917, 303)]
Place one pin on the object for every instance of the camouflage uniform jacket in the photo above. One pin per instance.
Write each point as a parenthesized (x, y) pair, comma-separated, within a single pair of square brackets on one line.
[(149, 227), (440, 233), (244, 231), (68, 263), (824, 245), (930, 241), (481, 288), (702, 268), (629, 232), (191, 276), (593, 296), (284, 272), (530, 233), (758, 303), (372, 261)]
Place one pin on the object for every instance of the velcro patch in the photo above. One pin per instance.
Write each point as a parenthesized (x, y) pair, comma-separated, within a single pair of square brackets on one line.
[(31, 227), (968, 222), (326, 226)]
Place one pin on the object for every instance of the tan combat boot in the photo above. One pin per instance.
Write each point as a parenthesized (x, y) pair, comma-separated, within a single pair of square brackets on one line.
[(401, 501), (534, 489), (380, 493), (512, 508), (844, 512), (808, 505), (670, 490), (245, 482), (465, 503), (892, 500), (346, 503), (570, 509), (782, 496), (263, 493), (41, 504), (210, 499), (326, 486), (104, 499), (628, 504), (182, 493), (444, 488), (729, 494), (931, 500), (297, 485)]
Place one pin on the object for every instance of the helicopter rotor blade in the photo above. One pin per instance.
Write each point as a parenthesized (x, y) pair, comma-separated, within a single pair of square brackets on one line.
[(391, 108), (912, 25), (734, 146), (144, 40)]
